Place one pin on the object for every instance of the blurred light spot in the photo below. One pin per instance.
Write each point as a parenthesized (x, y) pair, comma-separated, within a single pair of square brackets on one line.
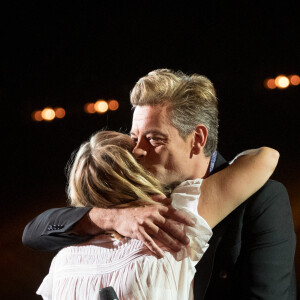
[(89, 108), (48, 114), (59, 112), (101, 106), (294, 79), (37, 116), (270, 83), (282, 82), (113, 104)]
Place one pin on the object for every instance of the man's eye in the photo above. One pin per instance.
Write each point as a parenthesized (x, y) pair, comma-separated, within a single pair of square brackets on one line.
[(154, 140), (135, 140)]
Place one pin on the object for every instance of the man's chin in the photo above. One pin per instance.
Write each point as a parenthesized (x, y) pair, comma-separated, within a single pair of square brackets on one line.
[(165, 179), (158, 175), (171, 186)]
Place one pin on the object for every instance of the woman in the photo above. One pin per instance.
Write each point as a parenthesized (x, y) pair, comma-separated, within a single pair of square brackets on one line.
[(105, 174)]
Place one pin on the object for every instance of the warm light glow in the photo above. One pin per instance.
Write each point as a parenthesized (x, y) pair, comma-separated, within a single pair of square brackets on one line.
[(294, 79), (113, 105), (282, 82), (48, 114), (37, 116), (59, 112), (89, 108), (270, 84), (101, 106)]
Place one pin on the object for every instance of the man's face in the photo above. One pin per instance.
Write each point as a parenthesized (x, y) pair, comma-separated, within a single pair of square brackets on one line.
[(159, 147)]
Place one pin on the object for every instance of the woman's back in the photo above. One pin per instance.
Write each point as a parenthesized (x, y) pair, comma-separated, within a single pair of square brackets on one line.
[(79, 272)]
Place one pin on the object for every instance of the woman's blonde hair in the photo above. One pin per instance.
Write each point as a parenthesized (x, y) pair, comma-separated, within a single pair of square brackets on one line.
[(103, 173)]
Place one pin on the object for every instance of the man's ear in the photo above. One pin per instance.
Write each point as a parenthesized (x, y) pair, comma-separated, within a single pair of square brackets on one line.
[(200, 138)]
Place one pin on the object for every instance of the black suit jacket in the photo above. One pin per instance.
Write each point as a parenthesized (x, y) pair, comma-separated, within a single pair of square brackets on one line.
[(251, 253)]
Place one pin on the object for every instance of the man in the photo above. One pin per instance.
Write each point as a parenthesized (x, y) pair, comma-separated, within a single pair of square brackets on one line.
[(175, 128)]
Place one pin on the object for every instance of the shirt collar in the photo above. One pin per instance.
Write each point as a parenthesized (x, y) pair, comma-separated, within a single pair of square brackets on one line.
[(212, 161)]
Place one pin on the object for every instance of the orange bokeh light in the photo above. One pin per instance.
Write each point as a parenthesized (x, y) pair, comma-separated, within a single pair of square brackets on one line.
[(60, 112), (37, 116), (48, 114), (113, 105), (270, 84), (101, 106), (89, 108), (282, 82), (294, 79)]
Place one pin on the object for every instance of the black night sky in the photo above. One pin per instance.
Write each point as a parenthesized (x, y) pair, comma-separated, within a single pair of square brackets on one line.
[(67, 53)]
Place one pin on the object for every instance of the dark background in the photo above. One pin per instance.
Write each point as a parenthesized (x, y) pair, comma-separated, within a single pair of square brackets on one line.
[(67, 53)]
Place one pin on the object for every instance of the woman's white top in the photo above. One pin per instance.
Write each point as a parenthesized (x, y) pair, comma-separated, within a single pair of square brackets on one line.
[(80, 272)]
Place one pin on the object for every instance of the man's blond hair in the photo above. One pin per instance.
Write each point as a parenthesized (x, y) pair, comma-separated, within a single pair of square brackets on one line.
[(192, 100)]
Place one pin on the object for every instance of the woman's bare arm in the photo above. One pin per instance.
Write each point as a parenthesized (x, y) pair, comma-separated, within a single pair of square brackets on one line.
[(222, 192)]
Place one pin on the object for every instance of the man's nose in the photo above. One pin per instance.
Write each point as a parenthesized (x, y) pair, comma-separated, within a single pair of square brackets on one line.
[(138, 152)]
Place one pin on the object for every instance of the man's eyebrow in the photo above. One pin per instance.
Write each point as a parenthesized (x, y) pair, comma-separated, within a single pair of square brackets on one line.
[(156, 132), (152, 131)]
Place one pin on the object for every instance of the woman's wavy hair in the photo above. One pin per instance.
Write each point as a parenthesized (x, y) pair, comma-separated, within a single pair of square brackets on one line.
[(103, 173)]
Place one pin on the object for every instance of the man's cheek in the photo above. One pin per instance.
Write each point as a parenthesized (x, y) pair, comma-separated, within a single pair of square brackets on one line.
[(161, 150)]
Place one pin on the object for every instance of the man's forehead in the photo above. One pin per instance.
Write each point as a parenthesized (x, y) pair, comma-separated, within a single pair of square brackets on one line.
[(147, 110), (149, 118), (157, 113)]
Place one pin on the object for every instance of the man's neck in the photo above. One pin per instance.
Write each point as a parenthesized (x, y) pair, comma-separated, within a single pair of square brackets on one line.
[(201, 167)]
